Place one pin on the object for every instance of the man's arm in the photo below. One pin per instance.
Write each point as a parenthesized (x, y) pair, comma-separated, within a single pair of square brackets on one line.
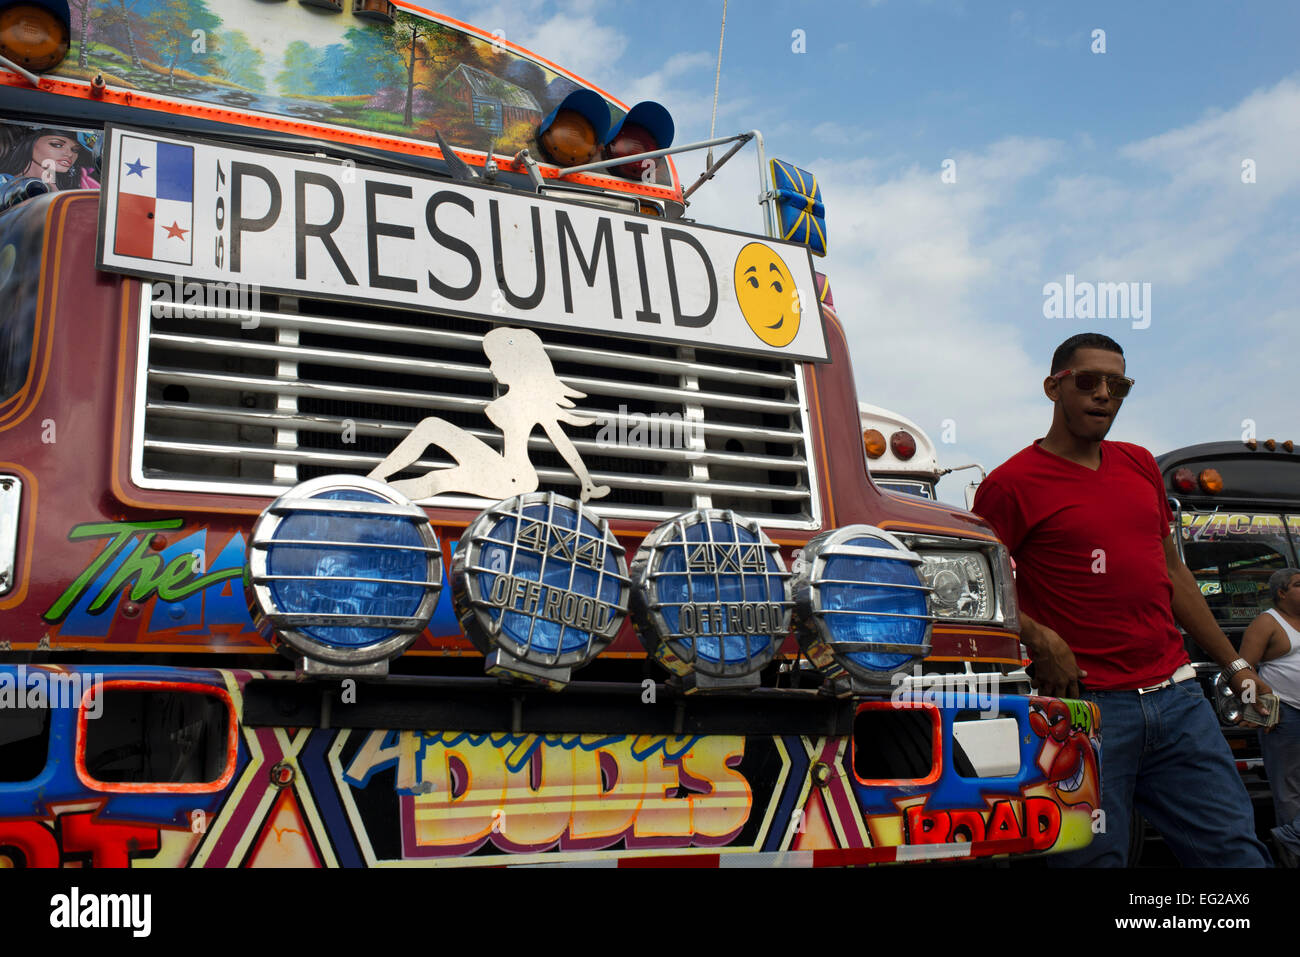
[(1191, 611), (1056, 673), (1262, 641)]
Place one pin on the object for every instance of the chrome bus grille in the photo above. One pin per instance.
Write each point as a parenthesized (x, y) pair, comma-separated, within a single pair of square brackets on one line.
[(254, 401)]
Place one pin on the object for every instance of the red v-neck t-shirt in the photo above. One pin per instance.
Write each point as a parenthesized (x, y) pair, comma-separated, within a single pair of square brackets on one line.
[(1090, 559)]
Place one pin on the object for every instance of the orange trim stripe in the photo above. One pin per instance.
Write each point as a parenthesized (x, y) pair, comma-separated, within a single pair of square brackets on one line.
[(945, 529)]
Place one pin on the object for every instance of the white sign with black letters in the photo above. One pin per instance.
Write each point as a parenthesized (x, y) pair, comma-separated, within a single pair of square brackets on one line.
[(312, 227)]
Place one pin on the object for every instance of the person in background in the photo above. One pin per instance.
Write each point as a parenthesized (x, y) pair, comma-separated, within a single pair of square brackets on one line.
[(1101, 584), (1272, 641)]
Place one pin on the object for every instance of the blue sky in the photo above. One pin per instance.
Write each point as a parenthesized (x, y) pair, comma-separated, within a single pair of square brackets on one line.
[(1122, 166)]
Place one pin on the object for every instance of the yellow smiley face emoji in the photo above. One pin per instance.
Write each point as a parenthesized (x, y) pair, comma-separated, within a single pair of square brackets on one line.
[(766, 294)]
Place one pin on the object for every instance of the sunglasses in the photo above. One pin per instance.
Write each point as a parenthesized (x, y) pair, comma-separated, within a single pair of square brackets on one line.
[(1117, 385)]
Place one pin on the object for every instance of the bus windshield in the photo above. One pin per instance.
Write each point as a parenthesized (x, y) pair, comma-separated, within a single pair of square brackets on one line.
[(1232, 555)]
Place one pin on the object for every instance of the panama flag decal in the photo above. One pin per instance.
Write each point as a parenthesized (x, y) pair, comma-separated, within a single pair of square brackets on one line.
[(155, 201)]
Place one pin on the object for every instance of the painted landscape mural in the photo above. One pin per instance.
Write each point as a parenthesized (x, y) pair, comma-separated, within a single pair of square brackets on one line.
[(411, 78)]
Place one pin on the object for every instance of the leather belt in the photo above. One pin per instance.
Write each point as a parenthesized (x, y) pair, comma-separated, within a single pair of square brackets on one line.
[(1182, 674)]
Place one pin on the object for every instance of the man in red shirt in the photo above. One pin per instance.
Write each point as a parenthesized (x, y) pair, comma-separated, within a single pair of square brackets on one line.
[(1101, 584)]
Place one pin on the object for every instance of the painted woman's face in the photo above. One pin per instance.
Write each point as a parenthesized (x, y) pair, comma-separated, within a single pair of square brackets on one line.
[(60, 150)]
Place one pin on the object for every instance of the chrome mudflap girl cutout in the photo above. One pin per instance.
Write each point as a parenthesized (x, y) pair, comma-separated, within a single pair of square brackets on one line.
[(534, 396)]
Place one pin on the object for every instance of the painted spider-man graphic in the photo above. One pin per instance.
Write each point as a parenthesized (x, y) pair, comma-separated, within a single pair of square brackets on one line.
[(1070, 753)]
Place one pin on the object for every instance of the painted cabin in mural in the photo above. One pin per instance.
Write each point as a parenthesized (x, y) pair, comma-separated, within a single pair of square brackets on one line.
[(494, 103)]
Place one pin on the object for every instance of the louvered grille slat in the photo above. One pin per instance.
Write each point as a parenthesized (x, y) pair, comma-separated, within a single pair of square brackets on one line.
[(254, 401)]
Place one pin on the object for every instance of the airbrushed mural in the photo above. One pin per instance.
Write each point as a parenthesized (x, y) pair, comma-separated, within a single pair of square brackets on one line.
[(315, 797), (410, 78), (162, 581), (60, 158)]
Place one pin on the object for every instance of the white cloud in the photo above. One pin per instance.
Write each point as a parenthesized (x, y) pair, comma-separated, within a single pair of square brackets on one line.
[(939, 285), (1264, 127)]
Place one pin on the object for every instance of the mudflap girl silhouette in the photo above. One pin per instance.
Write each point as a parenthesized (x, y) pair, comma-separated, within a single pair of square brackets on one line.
[(534, 396)]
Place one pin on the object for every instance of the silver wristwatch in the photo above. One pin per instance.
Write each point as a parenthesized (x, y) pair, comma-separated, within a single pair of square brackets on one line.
[(1241, 664)]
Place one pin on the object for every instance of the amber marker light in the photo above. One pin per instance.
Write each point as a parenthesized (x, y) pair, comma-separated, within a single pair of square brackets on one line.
[(571, 133), (381, 11), (35, 35), (874, 442), (1211, 481), (570, 140)]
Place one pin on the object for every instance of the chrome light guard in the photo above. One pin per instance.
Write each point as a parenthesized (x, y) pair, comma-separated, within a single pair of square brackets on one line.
[(283, 629), (809, 622)]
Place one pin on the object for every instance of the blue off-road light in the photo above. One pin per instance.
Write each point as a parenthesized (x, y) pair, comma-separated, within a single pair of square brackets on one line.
[(540, 586), (710, 598), (861, 608), (343, 571)]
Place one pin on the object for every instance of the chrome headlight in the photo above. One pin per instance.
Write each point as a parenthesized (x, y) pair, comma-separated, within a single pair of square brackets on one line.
[(970, 582), (962, 585), (1226, 703)]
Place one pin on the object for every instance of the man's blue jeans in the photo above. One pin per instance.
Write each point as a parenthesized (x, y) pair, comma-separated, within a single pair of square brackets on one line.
[(1163, 752), (1281, 748)]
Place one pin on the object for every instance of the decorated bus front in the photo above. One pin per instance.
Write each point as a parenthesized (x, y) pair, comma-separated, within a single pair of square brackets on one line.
[(391, 473)]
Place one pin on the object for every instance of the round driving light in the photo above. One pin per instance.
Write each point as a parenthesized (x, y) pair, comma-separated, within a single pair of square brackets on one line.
[(710, 598), (873, 440), (35, 35), (1211, 481), (903, 444), (540, 586), (861, 608), (343, 571)]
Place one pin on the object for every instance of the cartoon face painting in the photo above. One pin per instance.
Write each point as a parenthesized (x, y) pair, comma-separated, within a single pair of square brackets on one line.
[(766, 294), (1067, 756)]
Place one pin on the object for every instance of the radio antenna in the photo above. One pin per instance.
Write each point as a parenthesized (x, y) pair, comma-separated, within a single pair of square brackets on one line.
[(717, 78)]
